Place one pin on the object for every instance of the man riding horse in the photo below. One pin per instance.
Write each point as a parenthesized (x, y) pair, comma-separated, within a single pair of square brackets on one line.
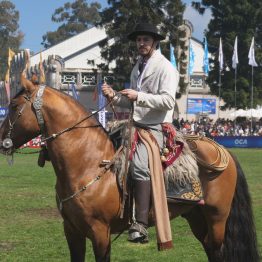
[(152, 95)]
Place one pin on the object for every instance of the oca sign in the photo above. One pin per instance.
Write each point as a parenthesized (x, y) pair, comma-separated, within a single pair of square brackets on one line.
[(3, 112), (240, 141)]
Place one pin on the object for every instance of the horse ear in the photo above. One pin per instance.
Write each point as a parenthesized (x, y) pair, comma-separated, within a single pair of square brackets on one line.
[(28, 85), (34, 79)]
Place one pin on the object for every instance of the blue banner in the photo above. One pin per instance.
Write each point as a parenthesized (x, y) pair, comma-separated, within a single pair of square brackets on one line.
[(206, 59), (3, 112), (172, 56), (201, 105), (75, 94), (239, 141), (191, 59)]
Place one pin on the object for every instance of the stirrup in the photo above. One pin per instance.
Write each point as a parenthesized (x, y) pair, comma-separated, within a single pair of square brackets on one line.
[(138, 233)]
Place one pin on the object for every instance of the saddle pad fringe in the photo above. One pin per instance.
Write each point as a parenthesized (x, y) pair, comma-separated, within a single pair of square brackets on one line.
[(184, 169)]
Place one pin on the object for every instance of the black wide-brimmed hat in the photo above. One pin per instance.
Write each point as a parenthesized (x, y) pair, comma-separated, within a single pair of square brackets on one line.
[(145, 29)]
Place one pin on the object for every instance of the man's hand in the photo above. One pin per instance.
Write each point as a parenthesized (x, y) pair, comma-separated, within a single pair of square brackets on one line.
[(131, 94), (108, 91)]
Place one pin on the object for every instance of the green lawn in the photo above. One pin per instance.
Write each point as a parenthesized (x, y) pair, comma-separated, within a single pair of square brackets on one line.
[(31, 228)]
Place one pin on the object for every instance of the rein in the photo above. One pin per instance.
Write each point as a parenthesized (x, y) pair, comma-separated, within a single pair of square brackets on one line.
[(7, 143), (53, 136)]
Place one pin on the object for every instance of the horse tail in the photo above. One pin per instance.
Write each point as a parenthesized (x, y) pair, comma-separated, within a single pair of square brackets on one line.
[(240, 243)]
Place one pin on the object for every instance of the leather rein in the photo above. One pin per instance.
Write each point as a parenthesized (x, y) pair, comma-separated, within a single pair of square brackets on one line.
[(7, 143)]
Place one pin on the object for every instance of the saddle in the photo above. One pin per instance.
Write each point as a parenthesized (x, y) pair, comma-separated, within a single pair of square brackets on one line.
[(180, 168), (209, 154)]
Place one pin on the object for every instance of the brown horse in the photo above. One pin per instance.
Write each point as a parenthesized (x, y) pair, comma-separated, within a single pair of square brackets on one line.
[(88, 195)]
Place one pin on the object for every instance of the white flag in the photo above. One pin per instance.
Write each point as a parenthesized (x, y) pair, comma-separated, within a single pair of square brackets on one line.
[(221, 56), (235, 55), (251, 54)]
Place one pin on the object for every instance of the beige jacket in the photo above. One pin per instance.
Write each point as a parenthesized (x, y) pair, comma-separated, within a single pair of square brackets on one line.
[(156, 97)]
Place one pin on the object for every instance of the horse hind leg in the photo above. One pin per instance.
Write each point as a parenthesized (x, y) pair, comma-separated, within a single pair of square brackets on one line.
[(76, 243), (197, 223), (210, 236), (214, 242)]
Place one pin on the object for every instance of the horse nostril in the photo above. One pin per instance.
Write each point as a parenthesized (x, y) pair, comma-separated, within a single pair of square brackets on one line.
[(7, 143)]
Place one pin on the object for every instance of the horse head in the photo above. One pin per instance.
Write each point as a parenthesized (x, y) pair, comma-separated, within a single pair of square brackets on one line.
[(20, 125)]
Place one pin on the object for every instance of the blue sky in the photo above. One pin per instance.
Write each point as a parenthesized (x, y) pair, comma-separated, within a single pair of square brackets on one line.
[(35, 20)]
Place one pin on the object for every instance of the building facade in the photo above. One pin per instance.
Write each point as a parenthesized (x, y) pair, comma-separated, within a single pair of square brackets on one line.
[(72, 64)]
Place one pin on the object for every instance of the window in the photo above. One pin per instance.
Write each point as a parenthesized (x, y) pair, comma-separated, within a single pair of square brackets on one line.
[(88, 79), (69, 78), (196, 82)]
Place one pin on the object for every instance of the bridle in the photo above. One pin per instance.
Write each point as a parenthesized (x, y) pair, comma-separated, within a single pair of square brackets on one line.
[(8, 144)]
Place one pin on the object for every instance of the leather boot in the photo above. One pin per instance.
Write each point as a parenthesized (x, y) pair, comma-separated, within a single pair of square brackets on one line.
[(138, 230)]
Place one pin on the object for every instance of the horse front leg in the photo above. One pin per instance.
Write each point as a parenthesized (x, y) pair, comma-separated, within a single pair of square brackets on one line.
[(76, 243), (101, 242)]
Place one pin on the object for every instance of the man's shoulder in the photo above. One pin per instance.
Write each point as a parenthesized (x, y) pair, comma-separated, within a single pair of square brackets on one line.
[(165, 63)]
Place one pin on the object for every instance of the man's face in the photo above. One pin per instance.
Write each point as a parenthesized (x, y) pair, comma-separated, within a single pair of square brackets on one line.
[(144, 44)]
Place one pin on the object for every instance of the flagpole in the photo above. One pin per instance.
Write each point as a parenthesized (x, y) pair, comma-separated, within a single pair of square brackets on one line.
[(190, 72), (235, 97), (252, 62), (187, 90), (251, 126), (219, 92), (234, 65), (221, 65), (206, 66)]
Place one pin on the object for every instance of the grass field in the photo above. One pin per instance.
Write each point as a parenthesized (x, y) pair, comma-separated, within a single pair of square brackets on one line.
[(31, 228)]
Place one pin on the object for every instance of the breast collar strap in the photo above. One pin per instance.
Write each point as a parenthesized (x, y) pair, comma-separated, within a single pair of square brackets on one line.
[(37, 104)]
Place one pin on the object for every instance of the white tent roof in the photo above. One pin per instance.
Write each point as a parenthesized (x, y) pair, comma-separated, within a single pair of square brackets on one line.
[(255, 113)]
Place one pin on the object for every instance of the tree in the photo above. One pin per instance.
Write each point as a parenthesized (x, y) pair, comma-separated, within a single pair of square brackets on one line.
[(9, 31), (230, 19), (120, 18), (75, 18)]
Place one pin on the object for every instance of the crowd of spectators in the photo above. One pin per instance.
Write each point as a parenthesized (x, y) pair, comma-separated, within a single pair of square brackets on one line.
[(222, 127)]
